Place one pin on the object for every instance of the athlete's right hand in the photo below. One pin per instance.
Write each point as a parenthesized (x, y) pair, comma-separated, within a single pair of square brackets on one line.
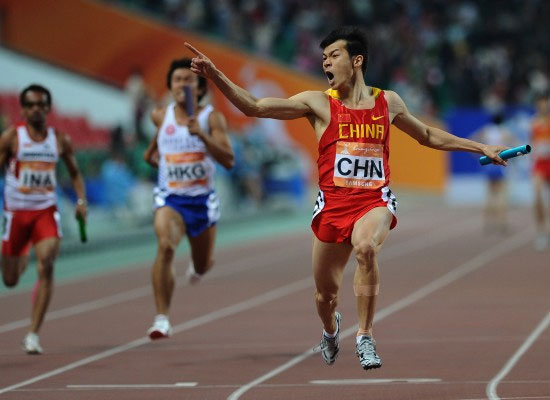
[(200, 64), (81, 209)]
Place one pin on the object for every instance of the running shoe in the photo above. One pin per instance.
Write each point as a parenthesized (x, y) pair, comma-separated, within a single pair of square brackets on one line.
[(31, 344), (329, 347), (191, 276), (161, 328), (366, 351)]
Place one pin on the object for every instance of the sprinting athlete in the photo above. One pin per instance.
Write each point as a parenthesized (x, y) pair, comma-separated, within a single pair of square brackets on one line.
[(185, 150), (540, 139), (31, 150), (355, 209)]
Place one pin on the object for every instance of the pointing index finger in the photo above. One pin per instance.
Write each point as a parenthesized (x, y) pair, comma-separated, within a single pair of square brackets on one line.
[(193, 49)]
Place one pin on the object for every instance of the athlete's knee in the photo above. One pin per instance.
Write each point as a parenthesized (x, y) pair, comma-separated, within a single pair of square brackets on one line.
[(366, 251), (166, 247), (10, 276), (45, 272), (327, 298), (46, 263), (10, 280)]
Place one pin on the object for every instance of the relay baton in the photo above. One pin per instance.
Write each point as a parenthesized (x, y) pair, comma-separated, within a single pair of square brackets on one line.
[(189, 105), (506, 154), (82, 228)]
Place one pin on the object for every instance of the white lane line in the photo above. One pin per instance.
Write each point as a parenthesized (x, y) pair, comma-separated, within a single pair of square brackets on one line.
[(204, 319), (491, 390), (238, 266), (224, 312), (137, 386), (373, 381), (242, 265), (475, 263)]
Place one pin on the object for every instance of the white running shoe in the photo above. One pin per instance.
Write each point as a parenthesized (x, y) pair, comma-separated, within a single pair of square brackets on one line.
[(191, 276), (330, 347), (161, 328), (31, 344)]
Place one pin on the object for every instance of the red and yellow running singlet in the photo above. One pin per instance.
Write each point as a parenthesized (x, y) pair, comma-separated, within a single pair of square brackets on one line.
[(354, 149)]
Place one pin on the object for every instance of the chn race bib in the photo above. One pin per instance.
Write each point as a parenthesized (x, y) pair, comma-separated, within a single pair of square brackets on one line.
[(36, 177), (359, 165), (186, 169)]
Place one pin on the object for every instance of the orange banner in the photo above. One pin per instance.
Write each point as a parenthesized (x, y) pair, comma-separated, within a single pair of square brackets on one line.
[(108, 44)]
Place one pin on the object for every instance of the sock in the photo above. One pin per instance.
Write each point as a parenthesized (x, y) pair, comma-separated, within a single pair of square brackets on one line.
[(328, 335)]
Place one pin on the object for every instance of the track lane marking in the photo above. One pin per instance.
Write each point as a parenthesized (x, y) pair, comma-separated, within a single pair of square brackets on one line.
[(242, 265), (136, 386), (373, 381), (473, 264), (491, 390), (396, 250), (414, 244)]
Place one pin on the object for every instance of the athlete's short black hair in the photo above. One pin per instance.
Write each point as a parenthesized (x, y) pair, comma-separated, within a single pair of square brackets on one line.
[(184, 63), (35, 88), (357, 42)]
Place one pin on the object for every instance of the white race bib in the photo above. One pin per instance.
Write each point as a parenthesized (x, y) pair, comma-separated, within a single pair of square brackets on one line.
[(186, 169), (359, 165), (36, 177)]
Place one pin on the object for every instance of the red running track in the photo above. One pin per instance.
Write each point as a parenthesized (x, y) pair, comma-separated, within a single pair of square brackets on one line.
[(461, 315)]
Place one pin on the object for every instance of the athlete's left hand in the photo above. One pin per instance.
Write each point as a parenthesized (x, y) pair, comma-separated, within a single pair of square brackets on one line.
[(493, 151)]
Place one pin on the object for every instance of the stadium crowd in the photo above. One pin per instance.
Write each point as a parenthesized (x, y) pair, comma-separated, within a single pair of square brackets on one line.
[(436, 53)]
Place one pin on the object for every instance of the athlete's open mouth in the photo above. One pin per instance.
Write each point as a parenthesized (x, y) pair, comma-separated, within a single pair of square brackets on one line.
[(329, 75)]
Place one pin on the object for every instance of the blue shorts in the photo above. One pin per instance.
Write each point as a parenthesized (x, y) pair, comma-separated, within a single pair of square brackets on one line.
[(494, 172), (198, 212)]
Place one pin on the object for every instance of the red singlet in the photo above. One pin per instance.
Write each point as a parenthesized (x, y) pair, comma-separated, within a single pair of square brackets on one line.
[(541, 147), (354, 171)]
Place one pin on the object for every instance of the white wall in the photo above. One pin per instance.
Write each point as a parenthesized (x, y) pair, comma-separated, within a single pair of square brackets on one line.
[(102, 104)]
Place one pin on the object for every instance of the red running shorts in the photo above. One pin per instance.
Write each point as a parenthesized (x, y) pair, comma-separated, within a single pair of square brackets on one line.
[(335, 215), (21, 228)]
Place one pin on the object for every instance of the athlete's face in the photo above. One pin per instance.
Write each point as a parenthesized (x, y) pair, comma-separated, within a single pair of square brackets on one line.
[(338, 65), (182, 77), (35, 108)]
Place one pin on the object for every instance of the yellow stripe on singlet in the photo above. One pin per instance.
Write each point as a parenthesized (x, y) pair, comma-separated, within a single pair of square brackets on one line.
[(335, 95)]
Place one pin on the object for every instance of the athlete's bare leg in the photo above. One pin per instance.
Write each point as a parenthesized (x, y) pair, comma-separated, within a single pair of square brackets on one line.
[(540, 214), (329, 261), (169, 228), (367, 238), (12, 269), (497, 209), (202, 250), (46, 253)]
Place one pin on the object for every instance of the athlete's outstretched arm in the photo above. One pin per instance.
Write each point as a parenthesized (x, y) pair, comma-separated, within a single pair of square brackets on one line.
[(434, 137), (294, 107)]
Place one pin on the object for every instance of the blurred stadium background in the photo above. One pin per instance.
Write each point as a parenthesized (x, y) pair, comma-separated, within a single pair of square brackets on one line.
[(455, 63)]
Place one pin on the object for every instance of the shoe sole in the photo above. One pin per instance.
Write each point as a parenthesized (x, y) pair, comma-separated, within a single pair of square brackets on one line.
[(158, 335), (31, 352), (367, 367)]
